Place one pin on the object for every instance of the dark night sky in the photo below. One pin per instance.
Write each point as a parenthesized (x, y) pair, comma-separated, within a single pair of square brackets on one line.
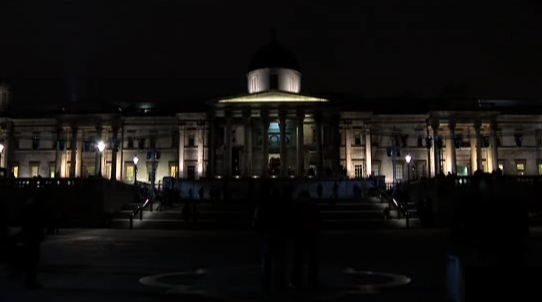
[(153, 50)]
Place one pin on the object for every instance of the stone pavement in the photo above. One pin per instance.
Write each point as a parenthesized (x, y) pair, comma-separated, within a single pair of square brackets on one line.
[(113, 265)]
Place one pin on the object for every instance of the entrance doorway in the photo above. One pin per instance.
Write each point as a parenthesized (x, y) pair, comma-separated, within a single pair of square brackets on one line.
[(274, 163), (462, 170)]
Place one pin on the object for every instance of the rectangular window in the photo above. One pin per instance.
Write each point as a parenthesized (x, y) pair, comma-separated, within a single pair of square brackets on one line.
[(52, 168), (358, 170), (420, 141), (399, 171), (141, 143), (150, 170), (34, 169), (191, 140), (173, 169), (175, 139), (107, 170), (130, 142), (357, 139), (375, 168), (539, 168), (15, 170), (191, 172), (520, 167), (35, 142), (129, 173)]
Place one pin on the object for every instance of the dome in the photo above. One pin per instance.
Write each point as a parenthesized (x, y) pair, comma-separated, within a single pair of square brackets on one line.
[(273, 55)]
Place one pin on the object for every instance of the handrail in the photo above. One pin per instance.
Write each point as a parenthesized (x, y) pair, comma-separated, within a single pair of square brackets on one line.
[(139, 210), (401, 207)]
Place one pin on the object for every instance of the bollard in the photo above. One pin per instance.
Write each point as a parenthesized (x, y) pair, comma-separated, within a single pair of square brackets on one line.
[(140, 214), (131, 221)]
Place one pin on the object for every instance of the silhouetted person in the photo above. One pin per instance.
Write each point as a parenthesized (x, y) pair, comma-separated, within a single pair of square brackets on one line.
[(187, 212), (306, 240), (335, 191), (201, 193), (268, 223), (319, 191), (32, 236), (190, 194)]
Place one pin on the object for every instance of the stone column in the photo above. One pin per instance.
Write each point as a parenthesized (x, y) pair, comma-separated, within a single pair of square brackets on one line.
[(283, 159), (58, 151), (436, 151), (451, 145), (181, 149), (99, 158), (368, 151), (319, 155), (5, 163), (300, 119), (247, 170), (73, 156), (115, 145), (348, 149), (228, 151), (495, 147), (477, 126), (199, 141), (211, 152), (265, 142), (428, 134)]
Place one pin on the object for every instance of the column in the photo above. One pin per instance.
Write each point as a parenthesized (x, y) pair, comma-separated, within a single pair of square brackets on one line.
[(120, 157), (200, 139), (319, 155), (228, 153), (79, 152), (116, 145), (348, 149), (494, 145), (181, 149), (98, 162), (247, 171), (368, 151), (58, 152), (451, 145), (436, 151), (73, 161), (477, 126), (428, 146), (283, 160), (265, 142), (211, 152), (300, 143), (5, 163)]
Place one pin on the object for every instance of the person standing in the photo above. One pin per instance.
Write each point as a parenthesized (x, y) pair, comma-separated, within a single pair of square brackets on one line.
[(307, 225)]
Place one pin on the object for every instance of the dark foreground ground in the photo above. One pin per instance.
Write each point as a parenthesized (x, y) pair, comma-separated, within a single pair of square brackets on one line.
[(107, 265)]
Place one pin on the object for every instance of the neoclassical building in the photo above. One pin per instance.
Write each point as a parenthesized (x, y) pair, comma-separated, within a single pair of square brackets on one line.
[(273, 130)]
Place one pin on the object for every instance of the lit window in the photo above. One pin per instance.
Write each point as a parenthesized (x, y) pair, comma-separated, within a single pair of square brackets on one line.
[(173, 170), (52, 168), (539, 168), (34, 169), (15, 171), (520, 168), (398, 171), (130, 172), (358, 170)]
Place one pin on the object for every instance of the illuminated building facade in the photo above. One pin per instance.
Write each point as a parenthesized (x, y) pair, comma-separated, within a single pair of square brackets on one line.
[(274, 130)]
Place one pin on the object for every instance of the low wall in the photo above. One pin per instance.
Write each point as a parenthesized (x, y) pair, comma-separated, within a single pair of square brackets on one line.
[(248, 188), (79, 202)]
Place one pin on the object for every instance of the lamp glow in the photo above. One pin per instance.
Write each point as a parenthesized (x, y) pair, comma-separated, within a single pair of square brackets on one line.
[(101, 146), (1, 148), (135, 160), (408, 158)]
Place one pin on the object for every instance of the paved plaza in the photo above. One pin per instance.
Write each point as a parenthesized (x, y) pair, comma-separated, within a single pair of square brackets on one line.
[(157, 265)]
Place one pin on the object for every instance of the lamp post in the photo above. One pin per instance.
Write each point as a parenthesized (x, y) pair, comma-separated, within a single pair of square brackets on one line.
[(408, 158), (135, 160), (101, 147), (1, 150)]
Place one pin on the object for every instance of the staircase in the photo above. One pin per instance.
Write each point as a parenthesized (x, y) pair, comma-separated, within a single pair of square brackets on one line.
[(344, 215)]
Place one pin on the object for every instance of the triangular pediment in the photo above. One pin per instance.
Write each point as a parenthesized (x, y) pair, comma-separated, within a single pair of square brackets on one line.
[(272, 97)]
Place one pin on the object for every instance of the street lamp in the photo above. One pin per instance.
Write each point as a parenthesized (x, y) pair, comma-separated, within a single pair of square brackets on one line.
[(135, 160), (408, 158), (101, 147)]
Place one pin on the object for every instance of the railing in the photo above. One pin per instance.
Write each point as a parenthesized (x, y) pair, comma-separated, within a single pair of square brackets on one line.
[(398, 205), (139, 210)]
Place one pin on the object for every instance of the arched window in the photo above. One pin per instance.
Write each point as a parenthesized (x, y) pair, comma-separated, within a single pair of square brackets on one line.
[(254, 84)]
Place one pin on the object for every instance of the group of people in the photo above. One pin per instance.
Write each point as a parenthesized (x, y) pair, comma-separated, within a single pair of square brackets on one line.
[(289, 231)]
